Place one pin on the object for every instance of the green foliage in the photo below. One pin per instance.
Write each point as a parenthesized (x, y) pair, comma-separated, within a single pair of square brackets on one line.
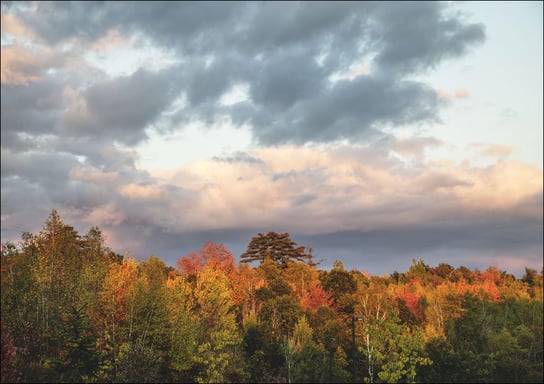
[(139, 363), (393, 351), (403, 355), (491, 342), (218, 335), (304, 357), (183, 326), (279, 316), (340, 284)]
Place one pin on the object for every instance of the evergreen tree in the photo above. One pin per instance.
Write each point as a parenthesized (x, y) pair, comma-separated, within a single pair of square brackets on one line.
[(277, 247), (79, 360)]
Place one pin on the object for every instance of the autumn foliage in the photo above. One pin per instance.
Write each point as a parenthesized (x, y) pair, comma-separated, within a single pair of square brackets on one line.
[(75, 311)]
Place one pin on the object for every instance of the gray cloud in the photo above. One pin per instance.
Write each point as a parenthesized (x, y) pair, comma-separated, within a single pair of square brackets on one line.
[(55, 22), (350, 109), (240, 157), (285, 51), (286, 79), (420, 35), (121, 108), (31, 166), (477, 244), (33, 110)]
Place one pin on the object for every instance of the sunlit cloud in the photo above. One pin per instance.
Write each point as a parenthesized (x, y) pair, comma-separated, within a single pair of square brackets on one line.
[(112, 40), (493, 150), (21, 65), (332, 190), (140, 192), (452, 95), (13, 27)]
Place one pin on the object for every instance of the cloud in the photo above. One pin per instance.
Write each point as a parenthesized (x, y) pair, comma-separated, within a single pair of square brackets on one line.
[(457, 94), (493, 150), (285, 54), (414, 146), (348, 110), (328, 191), (104, 215), (92, 175), (430, 37), (12, 26), (141, 192), (120, 109), (33, 111), (111, 41), (19, 66)]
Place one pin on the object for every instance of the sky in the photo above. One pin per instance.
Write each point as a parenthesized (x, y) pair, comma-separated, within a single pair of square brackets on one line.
[(374, 132)]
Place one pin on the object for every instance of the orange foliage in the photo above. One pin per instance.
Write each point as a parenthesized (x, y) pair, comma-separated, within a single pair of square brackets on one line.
[(485, 283), (490, 288), (116, 289), (245, 283)]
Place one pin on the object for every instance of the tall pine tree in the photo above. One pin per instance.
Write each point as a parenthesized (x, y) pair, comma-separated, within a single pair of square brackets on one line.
[(277, 247)]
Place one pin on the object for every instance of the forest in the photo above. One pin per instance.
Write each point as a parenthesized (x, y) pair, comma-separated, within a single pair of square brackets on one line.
[(75, 311)]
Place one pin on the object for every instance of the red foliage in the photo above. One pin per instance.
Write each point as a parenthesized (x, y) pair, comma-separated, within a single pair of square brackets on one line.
[(212, 255), (412, 298), (316, 297), (190, 264)]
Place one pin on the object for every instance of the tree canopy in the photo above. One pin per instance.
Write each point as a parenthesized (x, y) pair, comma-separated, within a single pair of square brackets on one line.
[(277, 247)]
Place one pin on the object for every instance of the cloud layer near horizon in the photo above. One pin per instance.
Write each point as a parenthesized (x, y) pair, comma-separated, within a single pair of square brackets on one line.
[(325, 90)]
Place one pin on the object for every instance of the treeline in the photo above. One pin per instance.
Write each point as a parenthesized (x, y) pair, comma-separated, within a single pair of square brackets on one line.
[(74, 311)]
